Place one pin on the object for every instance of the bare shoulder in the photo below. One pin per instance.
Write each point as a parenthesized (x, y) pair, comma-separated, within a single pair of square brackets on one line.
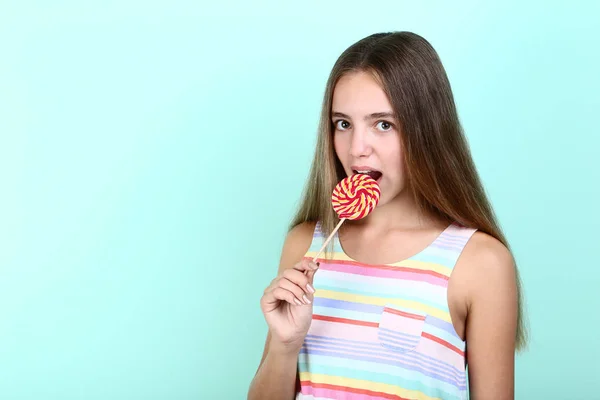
[(486, 245), (484, 273), (296, 244), (486, 261)]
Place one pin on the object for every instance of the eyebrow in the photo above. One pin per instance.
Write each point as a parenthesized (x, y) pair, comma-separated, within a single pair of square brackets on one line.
[(368, 117)]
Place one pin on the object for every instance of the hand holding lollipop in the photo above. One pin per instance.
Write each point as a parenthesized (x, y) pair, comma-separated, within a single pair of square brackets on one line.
[(353, 198)]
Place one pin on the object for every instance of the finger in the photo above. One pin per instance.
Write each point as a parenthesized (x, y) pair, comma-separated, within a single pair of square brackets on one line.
[(281, 294), (272, 285), (300, 279), (311, 273), (298, 292), (305, 265), (312, 267), (310, 277), (272, 300), (294, 275)]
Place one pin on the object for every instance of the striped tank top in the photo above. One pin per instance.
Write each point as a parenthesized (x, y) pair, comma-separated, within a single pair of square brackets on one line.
[(384, 331)]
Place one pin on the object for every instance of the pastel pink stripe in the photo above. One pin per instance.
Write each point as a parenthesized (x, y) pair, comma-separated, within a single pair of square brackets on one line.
[(343, 331), (334, 394), (376, 281), (385, 273)]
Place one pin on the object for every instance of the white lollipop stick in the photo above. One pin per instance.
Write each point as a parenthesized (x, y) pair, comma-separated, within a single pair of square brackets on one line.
[(328, 239)]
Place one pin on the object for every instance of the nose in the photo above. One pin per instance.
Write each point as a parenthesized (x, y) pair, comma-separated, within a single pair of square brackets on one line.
[(360, 145)]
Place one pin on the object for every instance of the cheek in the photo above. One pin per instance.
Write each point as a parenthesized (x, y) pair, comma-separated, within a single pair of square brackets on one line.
[(394, 158), (340, 146), (400, 162)]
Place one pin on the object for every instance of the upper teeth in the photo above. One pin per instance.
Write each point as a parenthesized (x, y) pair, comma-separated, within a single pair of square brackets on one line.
[(363, 172)]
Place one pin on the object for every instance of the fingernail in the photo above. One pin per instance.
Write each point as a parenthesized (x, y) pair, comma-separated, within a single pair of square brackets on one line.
[(297, 301), (310, 288), (306, 299)]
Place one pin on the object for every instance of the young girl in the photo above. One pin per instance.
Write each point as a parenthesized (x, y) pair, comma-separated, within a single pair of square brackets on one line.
[(425, 284)]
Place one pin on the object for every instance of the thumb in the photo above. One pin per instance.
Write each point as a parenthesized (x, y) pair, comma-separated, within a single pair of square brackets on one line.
[(311, 273)]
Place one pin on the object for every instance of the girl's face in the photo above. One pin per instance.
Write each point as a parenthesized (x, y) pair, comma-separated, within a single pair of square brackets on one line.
[(366, 133)]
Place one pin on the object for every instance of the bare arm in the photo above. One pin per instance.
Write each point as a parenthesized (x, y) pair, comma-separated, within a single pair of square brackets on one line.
[(275, 378), (491, 319), (276, 375)]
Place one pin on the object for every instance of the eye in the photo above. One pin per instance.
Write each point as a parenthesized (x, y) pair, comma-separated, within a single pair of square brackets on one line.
[(341, 124), (385, 126)]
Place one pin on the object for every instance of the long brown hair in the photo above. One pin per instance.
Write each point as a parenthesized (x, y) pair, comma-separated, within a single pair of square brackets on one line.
[(438, 163)]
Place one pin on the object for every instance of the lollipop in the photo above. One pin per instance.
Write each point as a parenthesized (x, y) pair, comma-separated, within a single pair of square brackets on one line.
[(353, 198)]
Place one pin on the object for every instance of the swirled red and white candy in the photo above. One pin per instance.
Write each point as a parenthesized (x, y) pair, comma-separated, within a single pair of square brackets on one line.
[(354, 197)]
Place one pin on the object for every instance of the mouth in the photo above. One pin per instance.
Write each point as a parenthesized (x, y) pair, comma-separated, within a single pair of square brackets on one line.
[(376, 175)]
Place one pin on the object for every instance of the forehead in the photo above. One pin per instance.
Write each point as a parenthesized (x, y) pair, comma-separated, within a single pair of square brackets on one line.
[(358, 94)]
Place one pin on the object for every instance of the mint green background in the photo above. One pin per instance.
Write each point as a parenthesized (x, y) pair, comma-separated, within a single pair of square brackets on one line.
[(151, 155)]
